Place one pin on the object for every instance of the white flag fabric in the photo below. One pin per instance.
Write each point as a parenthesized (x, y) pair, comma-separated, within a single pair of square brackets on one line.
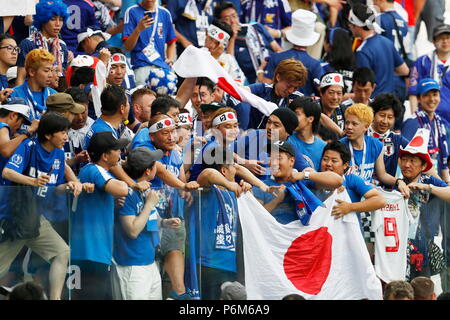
[(326, 260), (391, 227), (195, 62)]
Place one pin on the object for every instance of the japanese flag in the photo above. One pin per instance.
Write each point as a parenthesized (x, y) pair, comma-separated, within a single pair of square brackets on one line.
[(326, 260), (195, 62)]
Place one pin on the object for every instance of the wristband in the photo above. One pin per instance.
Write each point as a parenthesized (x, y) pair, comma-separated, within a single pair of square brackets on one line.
[(396, 181), (259, 71)]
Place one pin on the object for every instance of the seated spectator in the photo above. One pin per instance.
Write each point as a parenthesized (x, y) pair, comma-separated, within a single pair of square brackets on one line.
[(49, 19), (35, 90), (302, 35), (398, 290), (9, 52), (232, 291), (423, 288), (141, 103), (363, 85)]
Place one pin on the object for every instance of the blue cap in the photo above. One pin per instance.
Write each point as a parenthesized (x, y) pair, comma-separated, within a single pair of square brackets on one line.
[(426, 85)]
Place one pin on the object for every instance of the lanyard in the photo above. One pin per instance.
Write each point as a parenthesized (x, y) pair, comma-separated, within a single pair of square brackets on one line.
[(34, 104), (155, 25), (363, 160)]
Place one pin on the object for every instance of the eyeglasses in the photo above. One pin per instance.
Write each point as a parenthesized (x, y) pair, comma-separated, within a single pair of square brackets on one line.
[(11, 48)]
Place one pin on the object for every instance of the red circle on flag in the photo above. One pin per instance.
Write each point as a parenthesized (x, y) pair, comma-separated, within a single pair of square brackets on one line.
[(416, 142), (221, 36), (307, 261), (190, 118), (230, 116), (116, 58), (337, 79), (167, 122)]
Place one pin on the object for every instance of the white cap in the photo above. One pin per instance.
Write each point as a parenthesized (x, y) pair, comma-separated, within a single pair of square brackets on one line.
[(82, 60), (90, 32), (19, 108)]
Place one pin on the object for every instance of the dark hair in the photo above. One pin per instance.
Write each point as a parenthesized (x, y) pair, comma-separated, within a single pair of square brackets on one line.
[(50, 123), (444, 296), (339, 147), (310, 108), (341, 56), (293, 296), (326, 134), (112, 98), (78, 95), (136, 173), (4, 113), (82, 75), (27, 291), (362, 12), (163, 104), (363, 75), (399, 289), (386, 101), (224, 5), (203, 81), (322, 90), (5, 36), (114, 50), (224, 26)]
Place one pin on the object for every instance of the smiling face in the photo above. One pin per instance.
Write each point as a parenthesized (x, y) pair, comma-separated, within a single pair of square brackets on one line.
[(332, 161), (58, 139), (430, 101), (332, 97), (229, 131), (165, 139), (281, 164), (383, 120)]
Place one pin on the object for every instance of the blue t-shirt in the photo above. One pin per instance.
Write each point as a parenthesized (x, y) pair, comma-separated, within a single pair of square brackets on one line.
[(127, 251), (172, 205), (162, 35), (275, 14), (100, 125), (81, 15), (311, 150), (241, 50), (31, 157), (26, 45), (35, 99), (368, 55), (266, 91), (92, 224), (356, 187), (3, 160), (208, 255), (313, 66), (4, 192), (373, 149), (3, 82), (197, 167)]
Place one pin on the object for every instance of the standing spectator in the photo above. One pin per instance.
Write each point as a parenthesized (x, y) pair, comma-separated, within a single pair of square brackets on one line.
[(191, 19), (432, 13), (49, 19), (434, 65), (423, 288), (81, 15), (274, 15), (35, 90), (146, 35), (362, 24), (8, 57), (141, 102), (301, 35), (252, 42), (428, 95), (92, 224)]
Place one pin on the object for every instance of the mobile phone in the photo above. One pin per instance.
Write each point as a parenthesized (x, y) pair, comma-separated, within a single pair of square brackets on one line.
[(150, 14)]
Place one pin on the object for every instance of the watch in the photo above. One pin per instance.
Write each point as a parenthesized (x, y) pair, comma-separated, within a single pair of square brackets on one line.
[(307, 174)]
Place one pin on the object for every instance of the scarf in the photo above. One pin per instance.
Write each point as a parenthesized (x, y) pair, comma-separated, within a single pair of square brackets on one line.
[(305, 201), (256, 47), (438, 70), (372, 133), (224, 236), (41, 42), (438, 141)]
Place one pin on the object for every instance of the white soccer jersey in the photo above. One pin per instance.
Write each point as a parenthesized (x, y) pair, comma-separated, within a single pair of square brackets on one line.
[(391, 226)]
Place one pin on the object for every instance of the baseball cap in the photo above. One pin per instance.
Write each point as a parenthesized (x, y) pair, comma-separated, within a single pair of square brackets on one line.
[(18, 105), (61, 102), (426, 85), (213, 106), (141, 158), (233, 291), (283, 146), (102, 142), (5, 291), (11, 73), (443, 28)]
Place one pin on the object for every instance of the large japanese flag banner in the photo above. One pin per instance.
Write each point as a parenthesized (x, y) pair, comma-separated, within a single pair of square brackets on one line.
[(326, 260), (195, 62)]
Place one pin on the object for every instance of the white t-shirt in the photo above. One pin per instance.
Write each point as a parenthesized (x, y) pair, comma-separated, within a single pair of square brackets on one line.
[(391, 226)]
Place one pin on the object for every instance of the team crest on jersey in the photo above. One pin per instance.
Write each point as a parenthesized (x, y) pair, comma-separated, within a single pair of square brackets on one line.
[(269, 17), (160, 29), (17, 159), (388, 149), (56, 164)]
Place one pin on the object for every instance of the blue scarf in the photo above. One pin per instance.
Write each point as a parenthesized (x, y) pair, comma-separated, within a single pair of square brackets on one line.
[(190, 269), (305, 201), (442, 146), (224, 227), (36, 108), (152, 224)]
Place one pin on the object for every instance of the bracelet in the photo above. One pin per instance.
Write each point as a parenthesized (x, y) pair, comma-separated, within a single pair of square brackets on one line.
[(280, 34), (396, 181), (259, 71), (430, 188)]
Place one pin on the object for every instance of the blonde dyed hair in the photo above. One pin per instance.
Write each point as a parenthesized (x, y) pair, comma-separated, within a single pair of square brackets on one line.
[(362, 111), (37, 57)]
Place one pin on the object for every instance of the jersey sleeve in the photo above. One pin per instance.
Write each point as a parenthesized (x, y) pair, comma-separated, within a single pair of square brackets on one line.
[(21, 157), (300, 162), (61, 176), (100, 177), (285, 13), (398, 60), (358, 185), (168, 23), (130, 206), (271, 65), (129, 24)]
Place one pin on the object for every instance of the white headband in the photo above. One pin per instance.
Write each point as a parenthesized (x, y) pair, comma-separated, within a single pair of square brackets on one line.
[(185, 119), (224, 117), (117, 58), (218, 34), (332, 79), (373, 25), (161, 124)]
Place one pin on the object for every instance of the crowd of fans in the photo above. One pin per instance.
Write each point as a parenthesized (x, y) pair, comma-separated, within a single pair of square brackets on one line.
[(118, 157)]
